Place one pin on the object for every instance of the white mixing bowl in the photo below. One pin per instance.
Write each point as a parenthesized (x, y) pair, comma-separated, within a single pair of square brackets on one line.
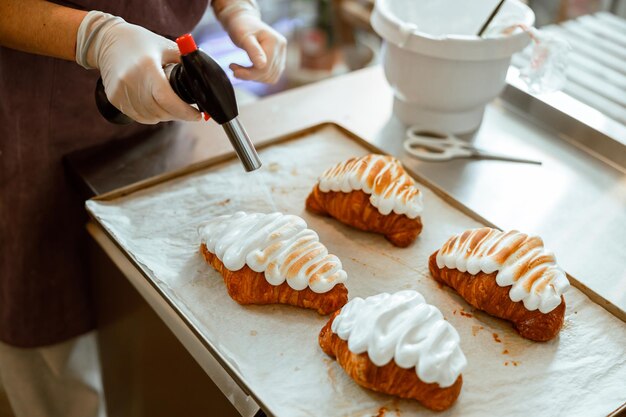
[(442, 74)]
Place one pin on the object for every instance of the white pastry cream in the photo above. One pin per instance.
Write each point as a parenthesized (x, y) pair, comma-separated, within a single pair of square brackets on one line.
[(520, 261), (403, 327), (280, 245), (380, 176)]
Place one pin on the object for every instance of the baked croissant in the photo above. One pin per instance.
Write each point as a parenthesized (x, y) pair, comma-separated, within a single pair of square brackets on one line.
[(372, 193), (397, 344), (508, 275), (273, 259)]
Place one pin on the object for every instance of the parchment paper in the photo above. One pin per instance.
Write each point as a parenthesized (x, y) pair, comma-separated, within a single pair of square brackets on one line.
[(582, 372)]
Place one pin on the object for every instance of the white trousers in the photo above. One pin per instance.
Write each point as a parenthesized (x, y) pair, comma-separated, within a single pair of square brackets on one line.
[(61, 380)]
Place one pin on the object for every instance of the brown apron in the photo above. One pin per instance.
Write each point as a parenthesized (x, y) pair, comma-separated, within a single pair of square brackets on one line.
[(47, 110)]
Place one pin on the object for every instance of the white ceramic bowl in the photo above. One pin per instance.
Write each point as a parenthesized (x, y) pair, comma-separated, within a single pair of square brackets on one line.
[(442, 74)]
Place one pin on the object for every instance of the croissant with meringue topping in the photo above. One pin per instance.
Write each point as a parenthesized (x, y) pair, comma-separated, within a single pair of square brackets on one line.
[(508, 275), (371, 193), (433, 343), (248, 287), (273, 259)]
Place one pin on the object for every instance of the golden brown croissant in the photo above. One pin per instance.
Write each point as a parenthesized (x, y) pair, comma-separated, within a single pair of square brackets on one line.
[(389, 378), (273, 258), (523, 284), (372, 193), (248, 287), (354, 209)]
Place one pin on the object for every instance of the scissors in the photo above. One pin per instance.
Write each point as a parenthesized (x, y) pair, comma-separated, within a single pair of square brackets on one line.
[(435, 146)]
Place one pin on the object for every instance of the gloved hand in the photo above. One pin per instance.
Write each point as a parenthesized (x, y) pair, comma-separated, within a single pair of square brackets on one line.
[(131, 59), (265, 47)]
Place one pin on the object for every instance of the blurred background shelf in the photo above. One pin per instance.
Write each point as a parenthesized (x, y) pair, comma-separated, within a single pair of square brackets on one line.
[(594, 94)]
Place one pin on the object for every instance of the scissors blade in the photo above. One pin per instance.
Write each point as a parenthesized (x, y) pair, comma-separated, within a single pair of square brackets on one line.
[(477, 153)]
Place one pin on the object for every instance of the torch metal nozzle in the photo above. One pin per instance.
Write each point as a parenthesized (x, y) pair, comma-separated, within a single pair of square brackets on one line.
[(242, 144)]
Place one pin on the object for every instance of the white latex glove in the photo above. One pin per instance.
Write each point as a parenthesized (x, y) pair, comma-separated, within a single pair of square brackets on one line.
[(265, 47), (131, 59)]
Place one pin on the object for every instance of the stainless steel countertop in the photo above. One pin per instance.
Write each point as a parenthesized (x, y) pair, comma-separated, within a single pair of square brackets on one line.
[(576, 202)]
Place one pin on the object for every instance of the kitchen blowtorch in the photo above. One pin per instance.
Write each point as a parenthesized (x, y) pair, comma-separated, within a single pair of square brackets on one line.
[(199, 80)]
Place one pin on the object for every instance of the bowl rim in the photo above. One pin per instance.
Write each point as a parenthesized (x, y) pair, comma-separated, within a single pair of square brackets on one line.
[(464, 47)]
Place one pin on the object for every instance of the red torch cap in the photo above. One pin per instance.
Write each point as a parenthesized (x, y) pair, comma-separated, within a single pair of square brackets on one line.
[(186, 44)]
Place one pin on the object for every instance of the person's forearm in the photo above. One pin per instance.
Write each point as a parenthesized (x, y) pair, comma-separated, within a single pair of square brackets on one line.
[(40, 27)]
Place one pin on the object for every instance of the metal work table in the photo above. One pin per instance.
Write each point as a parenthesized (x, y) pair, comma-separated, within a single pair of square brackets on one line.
[(575, 201)]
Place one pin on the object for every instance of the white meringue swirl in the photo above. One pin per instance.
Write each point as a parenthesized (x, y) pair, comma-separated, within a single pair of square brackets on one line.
[(403, 327), (280, 245), (380, 176), (520, 260)]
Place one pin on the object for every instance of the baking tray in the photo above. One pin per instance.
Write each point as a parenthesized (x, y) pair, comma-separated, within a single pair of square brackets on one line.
[(272, 351)]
